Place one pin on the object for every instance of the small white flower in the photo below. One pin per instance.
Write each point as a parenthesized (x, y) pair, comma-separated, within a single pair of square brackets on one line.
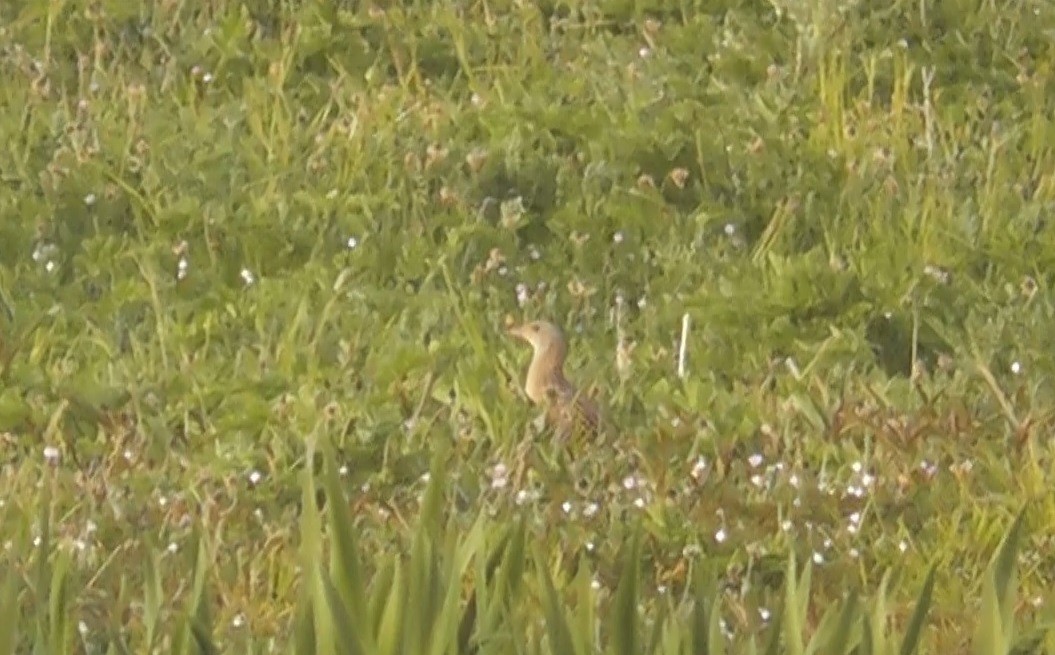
[(51, 454), (755, 460), (720, 536), (818, 558), (639, 502), (1016, 367), (566, 507), (90, 199), (764, 614), (629, 482), (238, 621), (352, 243), (525, 496), (255, 477), (590, 510), (617, 237), (699, 467), (247, 276), (902, 546), (173, 547)]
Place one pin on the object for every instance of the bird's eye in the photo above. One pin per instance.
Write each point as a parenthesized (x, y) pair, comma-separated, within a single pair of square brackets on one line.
[(534, 327)]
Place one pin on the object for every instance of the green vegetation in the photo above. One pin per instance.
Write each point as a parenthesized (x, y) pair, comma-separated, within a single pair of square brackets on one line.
[(255, 260)]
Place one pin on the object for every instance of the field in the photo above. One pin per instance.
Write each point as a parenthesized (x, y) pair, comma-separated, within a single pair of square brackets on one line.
[(257, 260)]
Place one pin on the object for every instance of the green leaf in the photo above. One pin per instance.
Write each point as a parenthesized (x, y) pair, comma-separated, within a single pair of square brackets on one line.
[(8, 620), (345, 567), (624, 619), (910, 642), (15, 412), (556, 625)]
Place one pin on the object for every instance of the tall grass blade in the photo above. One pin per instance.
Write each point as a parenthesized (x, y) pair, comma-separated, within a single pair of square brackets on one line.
[(834, 634), (43, 569), (995, 633), (61, 625), (698, 623), (304, 622), (794, 616), (338, 634), (585, 615), (488, 591), (560, 640), (9, 619), (394, 616), (450, 617), (625, 632), (151, 595), (910, 642), (203, 640), (345, 567), (880, 639)]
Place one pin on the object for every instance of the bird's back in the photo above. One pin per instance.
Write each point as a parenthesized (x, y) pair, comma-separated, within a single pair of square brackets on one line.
[(574, 411)]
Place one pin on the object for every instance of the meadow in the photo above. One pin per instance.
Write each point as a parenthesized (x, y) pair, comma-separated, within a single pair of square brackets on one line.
[(256, 262)]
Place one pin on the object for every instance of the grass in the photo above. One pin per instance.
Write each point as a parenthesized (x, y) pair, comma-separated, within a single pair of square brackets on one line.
[(248, 249)]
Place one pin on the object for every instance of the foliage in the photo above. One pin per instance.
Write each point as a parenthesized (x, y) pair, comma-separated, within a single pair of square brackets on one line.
[(255, 259)]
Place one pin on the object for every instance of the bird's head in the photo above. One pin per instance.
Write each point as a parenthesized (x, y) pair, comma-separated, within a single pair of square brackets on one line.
[(542, 335)]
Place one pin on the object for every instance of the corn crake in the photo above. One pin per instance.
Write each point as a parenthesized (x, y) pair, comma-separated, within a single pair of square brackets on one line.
[(568, 411)]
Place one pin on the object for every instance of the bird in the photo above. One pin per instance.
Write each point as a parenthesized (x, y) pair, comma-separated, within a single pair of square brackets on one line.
[(569, 411)]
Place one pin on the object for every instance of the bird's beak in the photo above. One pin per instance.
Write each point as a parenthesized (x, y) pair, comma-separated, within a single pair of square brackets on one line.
[(515, 331)]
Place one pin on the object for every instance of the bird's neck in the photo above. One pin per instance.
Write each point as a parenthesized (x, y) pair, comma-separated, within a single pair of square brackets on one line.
[(545, 372)]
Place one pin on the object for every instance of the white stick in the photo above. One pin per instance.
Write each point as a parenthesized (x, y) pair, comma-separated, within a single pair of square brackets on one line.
[(684, 345)]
